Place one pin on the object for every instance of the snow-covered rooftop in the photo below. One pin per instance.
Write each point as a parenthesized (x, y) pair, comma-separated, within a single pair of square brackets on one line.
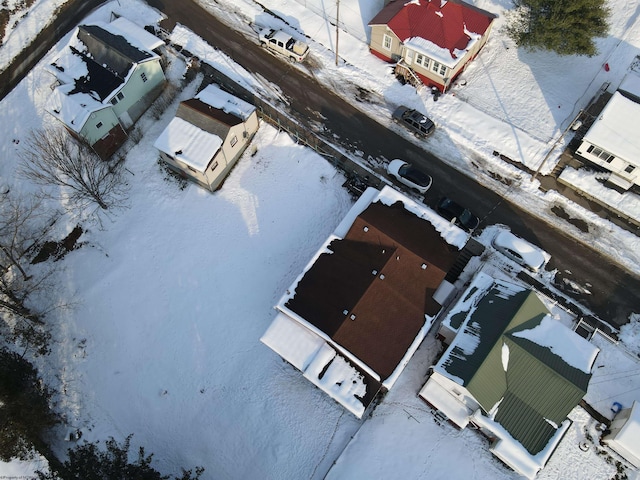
[(511, 452), (631, 83), (72, 110), (627, 440), (188, 143), (616, 129), (217, 98), (310, 354), (135, 33), (573, 349), (86, 86), (433, 51)]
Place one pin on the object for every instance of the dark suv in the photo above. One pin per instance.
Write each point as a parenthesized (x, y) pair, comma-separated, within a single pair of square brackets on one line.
[(419, 124)]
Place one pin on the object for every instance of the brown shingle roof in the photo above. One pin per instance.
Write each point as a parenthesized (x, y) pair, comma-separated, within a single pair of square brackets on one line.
[(206, 117), (376, 276)]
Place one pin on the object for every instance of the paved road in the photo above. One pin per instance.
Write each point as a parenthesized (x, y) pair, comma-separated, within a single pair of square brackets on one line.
[(615, 293), (70, 15)]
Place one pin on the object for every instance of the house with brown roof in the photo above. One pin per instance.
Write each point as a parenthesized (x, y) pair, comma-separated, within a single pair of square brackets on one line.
[(355, 316), (207, 136), (431, 41)]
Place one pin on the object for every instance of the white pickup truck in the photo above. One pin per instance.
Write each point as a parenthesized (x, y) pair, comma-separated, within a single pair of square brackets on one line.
[(284, 44)]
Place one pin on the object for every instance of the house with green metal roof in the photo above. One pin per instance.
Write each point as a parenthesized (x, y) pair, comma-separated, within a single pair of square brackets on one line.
[(511, 370)]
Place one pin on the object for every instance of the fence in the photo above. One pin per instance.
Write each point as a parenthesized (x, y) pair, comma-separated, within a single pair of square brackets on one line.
[(283, 122)]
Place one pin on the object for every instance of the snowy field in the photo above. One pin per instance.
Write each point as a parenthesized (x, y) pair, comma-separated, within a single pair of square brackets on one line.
[(175, 292)]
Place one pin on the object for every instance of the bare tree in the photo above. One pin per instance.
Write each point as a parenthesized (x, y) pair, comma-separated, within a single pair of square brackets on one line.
[(52, 157), (24, 226)]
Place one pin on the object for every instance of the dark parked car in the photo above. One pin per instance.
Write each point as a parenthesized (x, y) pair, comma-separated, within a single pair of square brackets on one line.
[(463, 217), (418, 123)]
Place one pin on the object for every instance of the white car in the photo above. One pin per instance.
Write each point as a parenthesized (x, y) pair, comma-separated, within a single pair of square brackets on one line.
[(520, 251), (284, 44), (409, 175)]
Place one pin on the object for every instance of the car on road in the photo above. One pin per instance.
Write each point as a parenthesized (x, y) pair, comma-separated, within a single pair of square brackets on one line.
[(520, 251), (409, 175), (460, 215), (421, 125), (284, 44)]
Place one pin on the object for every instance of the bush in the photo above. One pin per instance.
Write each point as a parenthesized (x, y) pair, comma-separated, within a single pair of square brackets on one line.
[(88, 462)]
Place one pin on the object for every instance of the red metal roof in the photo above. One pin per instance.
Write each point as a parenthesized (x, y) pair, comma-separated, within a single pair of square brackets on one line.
[(439, 21)]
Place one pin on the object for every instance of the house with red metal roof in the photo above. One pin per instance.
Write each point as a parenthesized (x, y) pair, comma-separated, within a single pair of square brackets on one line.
[(431, 41)]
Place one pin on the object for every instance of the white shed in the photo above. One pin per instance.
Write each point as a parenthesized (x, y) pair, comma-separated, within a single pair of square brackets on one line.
[(624, 435)]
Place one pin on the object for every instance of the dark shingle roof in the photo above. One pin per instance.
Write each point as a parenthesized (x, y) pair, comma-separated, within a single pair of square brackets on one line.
[(116, 42), (376, 275), (99, 80)]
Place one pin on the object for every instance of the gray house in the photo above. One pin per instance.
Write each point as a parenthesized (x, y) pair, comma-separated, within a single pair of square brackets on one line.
[(106, 78)]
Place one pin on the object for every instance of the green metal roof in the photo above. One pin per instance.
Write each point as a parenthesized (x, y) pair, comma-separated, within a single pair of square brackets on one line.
[(538, 386)]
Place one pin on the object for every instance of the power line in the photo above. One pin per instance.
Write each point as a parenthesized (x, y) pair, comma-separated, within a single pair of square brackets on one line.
[(621, 393)]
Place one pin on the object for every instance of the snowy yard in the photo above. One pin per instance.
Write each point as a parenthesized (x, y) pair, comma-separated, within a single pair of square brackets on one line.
[(174, 294)]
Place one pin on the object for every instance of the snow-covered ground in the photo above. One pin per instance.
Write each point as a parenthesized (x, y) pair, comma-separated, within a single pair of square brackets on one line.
[(513, 102), (174, 293), (23, 26)]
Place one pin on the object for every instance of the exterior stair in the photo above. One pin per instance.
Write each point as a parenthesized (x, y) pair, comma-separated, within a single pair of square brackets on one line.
[(471, 249)]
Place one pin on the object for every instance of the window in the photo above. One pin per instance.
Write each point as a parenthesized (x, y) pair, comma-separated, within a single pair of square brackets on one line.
[(99, 124), (234, 140), (439, 68), (387, 41), (601, 154), (214, 166), (114, 101), (422, 60), (120, 96), (629, 169), (191, 168), (143, 76)]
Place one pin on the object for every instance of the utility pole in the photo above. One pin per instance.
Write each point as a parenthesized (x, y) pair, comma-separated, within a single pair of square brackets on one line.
[(337, 27)]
